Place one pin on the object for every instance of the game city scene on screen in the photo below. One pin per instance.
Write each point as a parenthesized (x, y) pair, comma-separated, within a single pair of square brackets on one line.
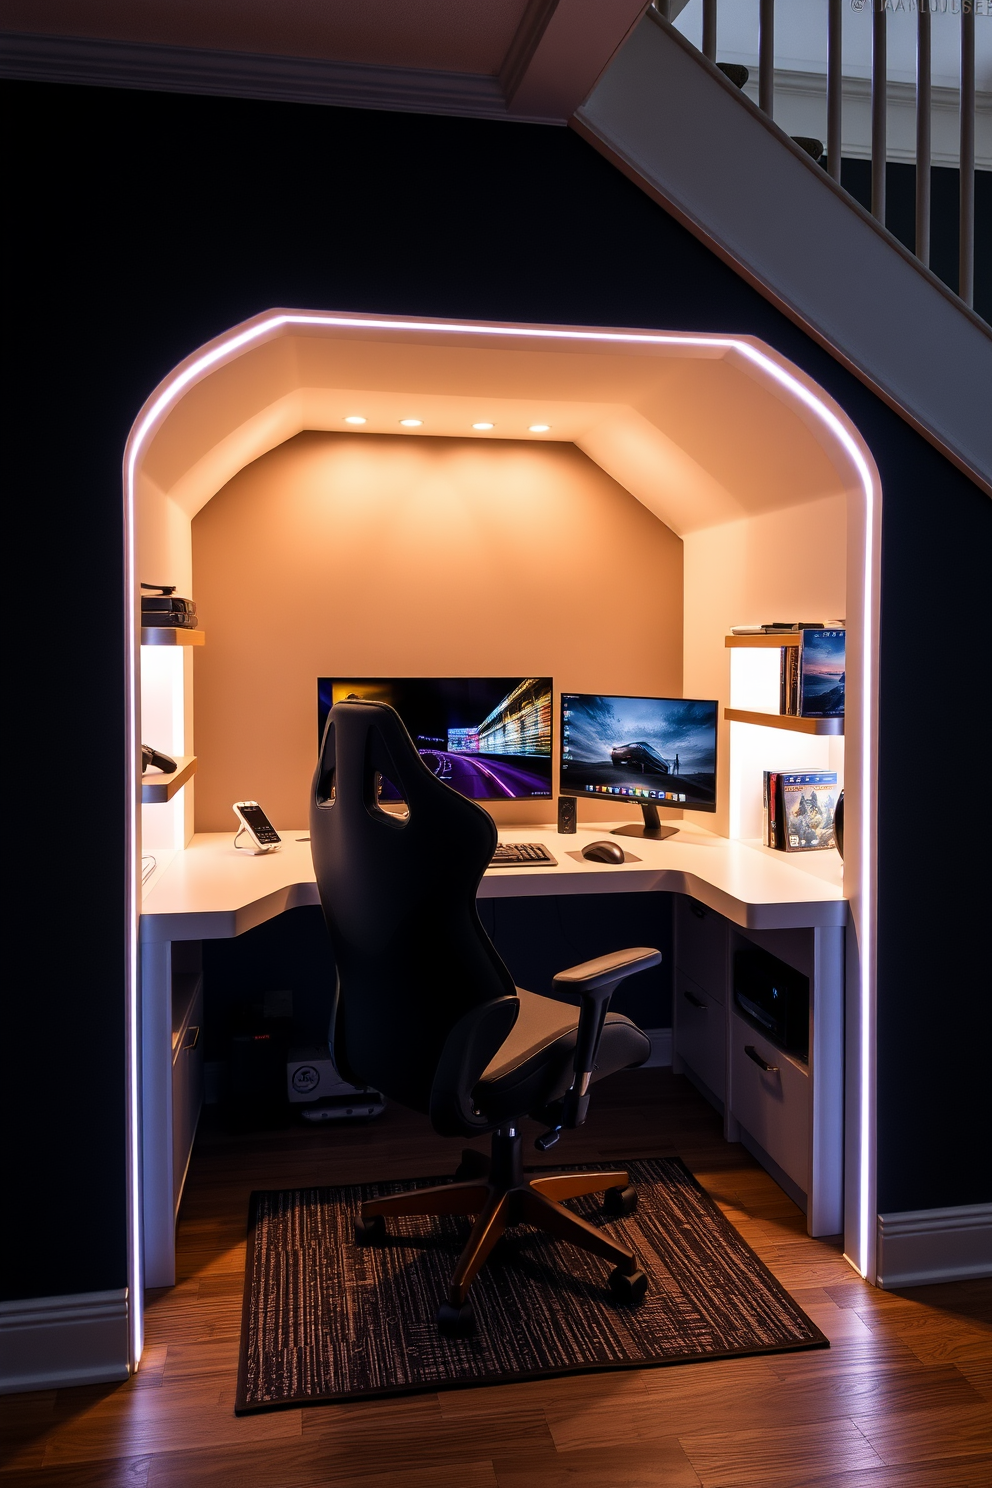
[(657, 751), (489, 738)]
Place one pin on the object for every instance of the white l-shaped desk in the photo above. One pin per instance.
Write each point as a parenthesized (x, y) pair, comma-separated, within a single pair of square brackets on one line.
[(211, 890)]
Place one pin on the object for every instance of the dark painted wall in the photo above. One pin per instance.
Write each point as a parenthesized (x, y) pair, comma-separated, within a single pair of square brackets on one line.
[(145, 224)]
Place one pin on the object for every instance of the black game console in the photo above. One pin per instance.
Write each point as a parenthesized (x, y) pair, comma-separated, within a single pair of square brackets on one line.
[(165, 607)]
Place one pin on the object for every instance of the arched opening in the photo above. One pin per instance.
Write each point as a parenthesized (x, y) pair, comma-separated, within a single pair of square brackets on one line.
[(722, 442)]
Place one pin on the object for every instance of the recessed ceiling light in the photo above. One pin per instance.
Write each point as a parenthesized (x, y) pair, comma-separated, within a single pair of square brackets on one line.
[(411, 423), (483, 426), (354, 418), (539, 428)]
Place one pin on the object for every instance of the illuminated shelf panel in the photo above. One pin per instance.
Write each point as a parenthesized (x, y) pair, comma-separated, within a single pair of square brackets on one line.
[(786, 721), (171, 635), (766, 642)]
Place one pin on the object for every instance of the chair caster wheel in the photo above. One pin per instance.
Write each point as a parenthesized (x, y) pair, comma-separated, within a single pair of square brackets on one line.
[(370, 1231), (627, 1288), (619, 1201), (472, 1165), (456, 1322)]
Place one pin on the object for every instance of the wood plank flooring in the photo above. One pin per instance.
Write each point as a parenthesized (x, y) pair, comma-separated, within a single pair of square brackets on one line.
[(903, 1398)]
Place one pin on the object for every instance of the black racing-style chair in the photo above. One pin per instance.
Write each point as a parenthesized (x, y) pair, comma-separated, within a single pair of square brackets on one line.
[(427, 1013)]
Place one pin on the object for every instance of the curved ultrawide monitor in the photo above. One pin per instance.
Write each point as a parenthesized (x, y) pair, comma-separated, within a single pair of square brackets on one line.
[(658, 751), (489, 738)]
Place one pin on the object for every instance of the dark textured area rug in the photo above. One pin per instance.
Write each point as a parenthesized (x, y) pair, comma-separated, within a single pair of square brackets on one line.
[(325, 1320)]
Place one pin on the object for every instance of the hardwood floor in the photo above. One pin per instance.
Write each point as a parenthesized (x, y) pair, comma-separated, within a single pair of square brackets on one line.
[(903, 1398)]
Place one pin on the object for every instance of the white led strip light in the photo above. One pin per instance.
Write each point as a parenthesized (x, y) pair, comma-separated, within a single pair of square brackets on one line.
[(228, 347)]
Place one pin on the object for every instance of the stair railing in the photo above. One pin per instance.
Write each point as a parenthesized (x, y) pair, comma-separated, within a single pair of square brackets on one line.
[(670, 9)]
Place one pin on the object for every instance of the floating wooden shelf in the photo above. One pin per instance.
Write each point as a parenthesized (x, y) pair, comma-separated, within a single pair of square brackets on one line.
[(766, 642), (171, 635), (158, 788), (786, 721)]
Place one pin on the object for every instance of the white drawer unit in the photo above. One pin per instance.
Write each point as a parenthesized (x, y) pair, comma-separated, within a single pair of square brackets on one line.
[(702, 940), (700, 1034), (789, 1114), (770, 1097)]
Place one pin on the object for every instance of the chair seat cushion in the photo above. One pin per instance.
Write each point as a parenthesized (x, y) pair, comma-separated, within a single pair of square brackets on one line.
[(534, 1064)]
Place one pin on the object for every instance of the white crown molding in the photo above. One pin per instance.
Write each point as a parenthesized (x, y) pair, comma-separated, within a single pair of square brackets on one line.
[(559, 50), (801, 108), (175, 69), (921, 1246), (49, 1342)]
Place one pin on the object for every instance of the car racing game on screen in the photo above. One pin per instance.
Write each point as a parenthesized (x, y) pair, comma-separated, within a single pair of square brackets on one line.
[(489, 738)]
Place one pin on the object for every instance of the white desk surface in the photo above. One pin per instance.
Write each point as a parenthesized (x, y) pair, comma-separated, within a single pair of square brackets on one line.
[(212, 891)]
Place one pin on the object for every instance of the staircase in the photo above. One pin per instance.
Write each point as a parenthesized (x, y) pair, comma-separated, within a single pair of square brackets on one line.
[(663, 113)]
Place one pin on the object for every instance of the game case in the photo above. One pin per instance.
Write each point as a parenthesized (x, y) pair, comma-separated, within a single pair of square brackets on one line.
[(771, 813), (808, 803), (788, 691), (821, 674)]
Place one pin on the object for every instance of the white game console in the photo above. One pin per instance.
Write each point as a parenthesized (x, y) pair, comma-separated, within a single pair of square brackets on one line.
[(313, 1083)]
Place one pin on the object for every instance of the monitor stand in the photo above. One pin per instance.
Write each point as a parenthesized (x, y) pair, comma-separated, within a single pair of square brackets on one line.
[(652, 826)]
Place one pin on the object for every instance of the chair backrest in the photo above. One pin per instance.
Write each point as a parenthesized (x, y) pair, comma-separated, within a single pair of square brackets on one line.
[(398, 893)]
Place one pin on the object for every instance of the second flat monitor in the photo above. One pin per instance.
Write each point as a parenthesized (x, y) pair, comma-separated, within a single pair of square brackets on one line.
[(647, 751)]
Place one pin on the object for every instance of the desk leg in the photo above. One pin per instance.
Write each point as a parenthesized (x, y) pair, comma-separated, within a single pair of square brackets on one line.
[(156, 1114), (825, 1199)]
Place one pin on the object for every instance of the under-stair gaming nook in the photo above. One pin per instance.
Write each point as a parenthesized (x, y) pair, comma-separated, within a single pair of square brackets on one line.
[(367, 496)]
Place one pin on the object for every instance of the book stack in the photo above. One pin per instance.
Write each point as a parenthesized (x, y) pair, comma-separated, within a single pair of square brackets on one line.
[(798, 809), (811, 680)]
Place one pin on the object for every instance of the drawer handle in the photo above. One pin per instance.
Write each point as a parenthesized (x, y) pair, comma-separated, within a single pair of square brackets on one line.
[(192, 1038), (697, 910), (691, 997), (752, 1053)]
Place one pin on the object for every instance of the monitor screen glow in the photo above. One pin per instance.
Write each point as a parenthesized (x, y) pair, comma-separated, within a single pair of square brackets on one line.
[(660, 751), (489, 738)]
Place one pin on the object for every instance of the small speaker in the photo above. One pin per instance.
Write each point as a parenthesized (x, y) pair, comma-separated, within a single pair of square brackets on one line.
[(566, 813)]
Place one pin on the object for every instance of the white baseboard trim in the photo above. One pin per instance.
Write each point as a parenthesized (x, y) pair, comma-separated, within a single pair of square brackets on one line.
[(922, 1246), (661, 1048), (50, 1342)]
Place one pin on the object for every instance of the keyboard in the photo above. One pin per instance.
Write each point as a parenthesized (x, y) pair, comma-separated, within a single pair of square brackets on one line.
[(523, 855)]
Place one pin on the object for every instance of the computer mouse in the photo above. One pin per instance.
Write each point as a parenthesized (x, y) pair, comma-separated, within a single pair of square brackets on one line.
[(603, 852)]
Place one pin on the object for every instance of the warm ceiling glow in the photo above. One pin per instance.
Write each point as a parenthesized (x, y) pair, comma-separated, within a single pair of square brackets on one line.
[(411, 423), (483, 426), (355, 418), (539, 428)]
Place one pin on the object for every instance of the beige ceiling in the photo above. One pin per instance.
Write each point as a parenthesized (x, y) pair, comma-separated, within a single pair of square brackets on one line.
[(690, 428)]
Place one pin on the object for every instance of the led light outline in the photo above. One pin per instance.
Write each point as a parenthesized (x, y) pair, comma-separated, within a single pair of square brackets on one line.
[(225, 349)]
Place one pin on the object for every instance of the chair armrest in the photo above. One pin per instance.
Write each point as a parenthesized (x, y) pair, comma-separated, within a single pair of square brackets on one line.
[(607, 971), (595, 982)]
